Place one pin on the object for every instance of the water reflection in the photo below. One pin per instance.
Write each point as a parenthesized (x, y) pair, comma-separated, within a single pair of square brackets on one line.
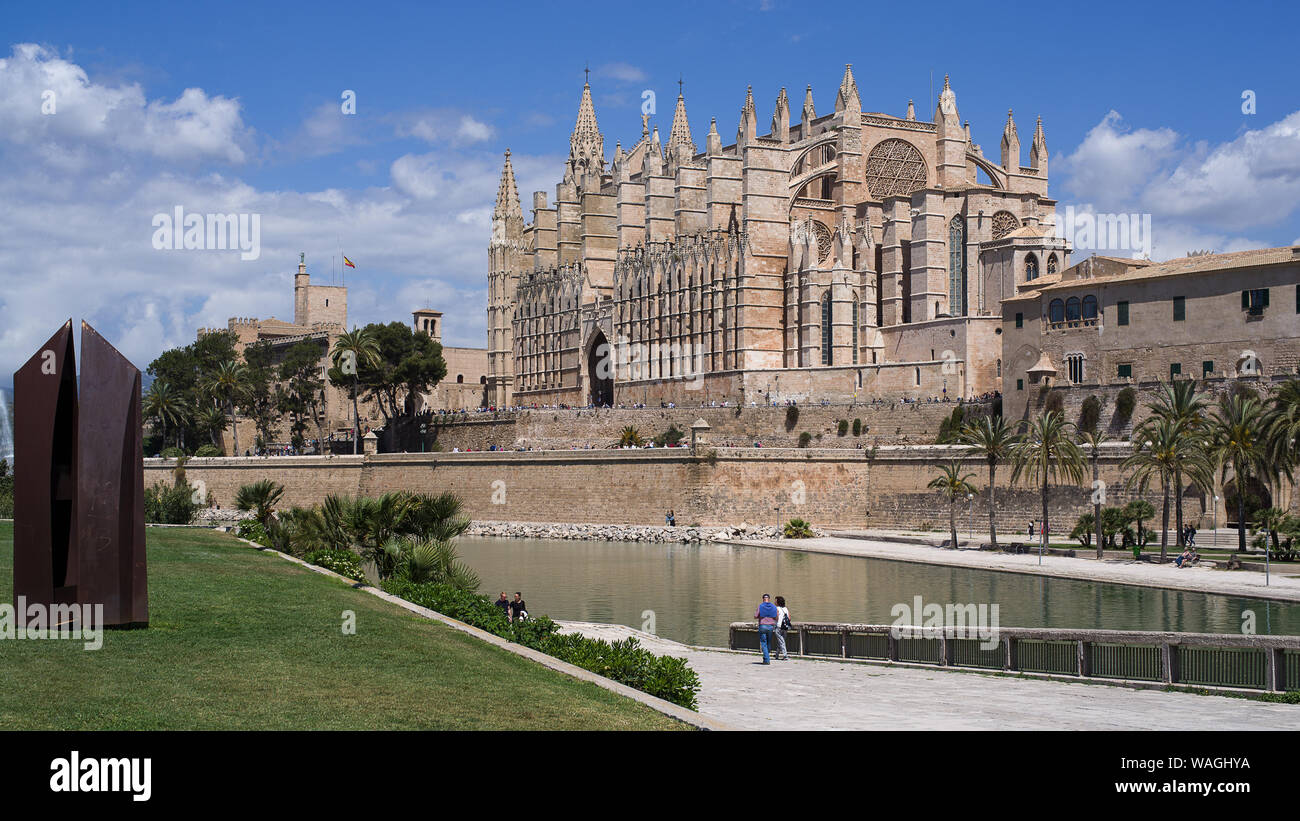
[(695, 591)]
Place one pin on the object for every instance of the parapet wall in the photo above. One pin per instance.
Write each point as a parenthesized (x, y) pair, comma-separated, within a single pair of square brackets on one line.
[(560, 429), (829, 487)]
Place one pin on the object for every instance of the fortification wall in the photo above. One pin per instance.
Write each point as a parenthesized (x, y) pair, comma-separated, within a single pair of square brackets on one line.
[(829, 487)]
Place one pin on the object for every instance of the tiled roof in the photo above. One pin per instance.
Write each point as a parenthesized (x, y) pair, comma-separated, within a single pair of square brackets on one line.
[(1207, 263)]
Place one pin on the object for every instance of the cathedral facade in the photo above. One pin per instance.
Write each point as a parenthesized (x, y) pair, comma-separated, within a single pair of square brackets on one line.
[(845, 255)]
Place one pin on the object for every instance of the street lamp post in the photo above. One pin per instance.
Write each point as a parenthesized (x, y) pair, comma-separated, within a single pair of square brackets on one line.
[(1215, 508), (970, 517)]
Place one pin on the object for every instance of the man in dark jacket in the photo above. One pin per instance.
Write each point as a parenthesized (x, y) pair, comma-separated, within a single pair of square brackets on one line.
[(766, 616), (504, 604)]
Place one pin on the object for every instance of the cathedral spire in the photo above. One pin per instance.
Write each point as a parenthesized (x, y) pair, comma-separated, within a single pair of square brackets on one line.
[(911, 110), (781, 118), (848, 93), (1010, 145), (748, 128), (679, 138), (713, 142), (586, 146), (508, 193), (809, 113), (1038, 149), (945, 113)]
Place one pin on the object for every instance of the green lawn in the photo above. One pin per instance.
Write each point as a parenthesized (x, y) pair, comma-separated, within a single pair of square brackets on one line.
[(240, 639)]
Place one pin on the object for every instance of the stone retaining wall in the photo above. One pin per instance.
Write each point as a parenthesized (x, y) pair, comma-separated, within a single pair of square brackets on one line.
[(831, 488)]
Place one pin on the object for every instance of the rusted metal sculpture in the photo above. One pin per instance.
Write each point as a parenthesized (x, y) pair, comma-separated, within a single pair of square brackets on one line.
[(79, 480)]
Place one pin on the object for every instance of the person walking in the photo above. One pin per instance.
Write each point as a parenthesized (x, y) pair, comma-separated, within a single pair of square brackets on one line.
[(782, 624), (767, 621), (1031, 528)]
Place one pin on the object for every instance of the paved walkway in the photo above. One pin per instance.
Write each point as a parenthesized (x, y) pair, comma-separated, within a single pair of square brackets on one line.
[(805, 694), (1284, 586)]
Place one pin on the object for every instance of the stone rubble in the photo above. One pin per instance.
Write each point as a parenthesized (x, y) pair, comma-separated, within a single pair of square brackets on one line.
[(624, 533)]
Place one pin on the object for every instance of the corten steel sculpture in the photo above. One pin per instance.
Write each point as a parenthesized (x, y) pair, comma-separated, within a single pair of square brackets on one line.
[(79, 480)]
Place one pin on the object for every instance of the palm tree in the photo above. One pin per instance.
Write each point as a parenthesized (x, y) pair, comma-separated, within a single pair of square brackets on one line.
[(1047, 451), (1094, 440), (359, 349), (227, 384), (1139, 510), (1156, 454), (951, 484), (1284, 428), (990, 438), (1237, 437), (213, 420), (1180, 402), (429, 561), (260, 497), (166, 405)]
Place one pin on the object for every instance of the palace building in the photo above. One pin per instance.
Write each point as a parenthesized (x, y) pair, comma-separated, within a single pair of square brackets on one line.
[(837, 255)]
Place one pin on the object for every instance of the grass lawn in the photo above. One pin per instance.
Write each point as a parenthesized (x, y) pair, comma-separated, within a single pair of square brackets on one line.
[(240, 639)]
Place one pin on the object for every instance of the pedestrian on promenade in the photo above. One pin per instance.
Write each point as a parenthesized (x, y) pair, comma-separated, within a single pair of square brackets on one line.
[(1031, 528), (504, 604), (518, 610), (782, 625), (766, 615)]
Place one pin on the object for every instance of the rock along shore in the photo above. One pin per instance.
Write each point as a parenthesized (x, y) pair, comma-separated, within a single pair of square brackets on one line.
[(624, 533)]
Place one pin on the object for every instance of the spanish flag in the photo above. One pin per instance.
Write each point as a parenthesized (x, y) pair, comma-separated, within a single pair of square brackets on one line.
[(348, 262)]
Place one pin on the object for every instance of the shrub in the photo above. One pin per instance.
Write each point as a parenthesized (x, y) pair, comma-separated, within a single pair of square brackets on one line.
[(260, 497), (1089, 414), (798, 529), (253, 530), (857, 427), (623, 661), (208, 450), (804, 439), (950, 428), (6, 489), (842, 427), (171, 505), (670, 437), (1124, 404), (791, 417), (172, 452), (1055, 402), (343, 562), (1083, 529)]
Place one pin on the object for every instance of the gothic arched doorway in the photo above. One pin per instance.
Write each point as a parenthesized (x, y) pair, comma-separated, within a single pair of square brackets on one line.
[(600, 371)]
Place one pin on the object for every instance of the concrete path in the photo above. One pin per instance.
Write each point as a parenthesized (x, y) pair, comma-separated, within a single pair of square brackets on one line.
[(805, 694), (1284, 586)]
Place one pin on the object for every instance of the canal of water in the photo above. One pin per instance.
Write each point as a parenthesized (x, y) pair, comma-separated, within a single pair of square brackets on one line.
[(691, 593)]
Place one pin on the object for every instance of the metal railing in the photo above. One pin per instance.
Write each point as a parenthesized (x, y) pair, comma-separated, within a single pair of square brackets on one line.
[(1209, 660)]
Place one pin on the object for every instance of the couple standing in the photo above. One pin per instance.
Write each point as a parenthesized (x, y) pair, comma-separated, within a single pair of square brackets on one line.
[(773, 618)]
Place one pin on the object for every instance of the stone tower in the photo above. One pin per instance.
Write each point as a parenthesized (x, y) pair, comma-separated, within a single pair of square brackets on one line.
[(506, 258)]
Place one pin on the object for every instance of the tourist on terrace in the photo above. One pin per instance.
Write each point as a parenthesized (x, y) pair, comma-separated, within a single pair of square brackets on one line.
[(782, 625), (767, 621)]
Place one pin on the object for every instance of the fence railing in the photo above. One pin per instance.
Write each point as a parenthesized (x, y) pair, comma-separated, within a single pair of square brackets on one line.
[(1210, 660)]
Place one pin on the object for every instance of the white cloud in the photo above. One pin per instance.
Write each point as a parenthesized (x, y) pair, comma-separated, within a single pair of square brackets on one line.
[(1112, 162), (78, 194), (622, 72), (441, 125), (52, 105), (1199, 195)]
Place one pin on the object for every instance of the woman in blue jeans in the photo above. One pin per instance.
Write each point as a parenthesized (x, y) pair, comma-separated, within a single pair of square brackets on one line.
[(767, 621)]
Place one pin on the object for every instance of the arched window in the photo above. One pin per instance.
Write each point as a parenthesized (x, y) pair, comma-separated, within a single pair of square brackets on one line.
[(956, 265), (1031, 267), (1089, 307), (1056, 311), (482, 380), (1051, 265), (1072, 308), (826, 328), (460, 378)]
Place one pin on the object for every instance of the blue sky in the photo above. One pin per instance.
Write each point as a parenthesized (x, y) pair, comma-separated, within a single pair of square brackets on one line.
[(236, 107)]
